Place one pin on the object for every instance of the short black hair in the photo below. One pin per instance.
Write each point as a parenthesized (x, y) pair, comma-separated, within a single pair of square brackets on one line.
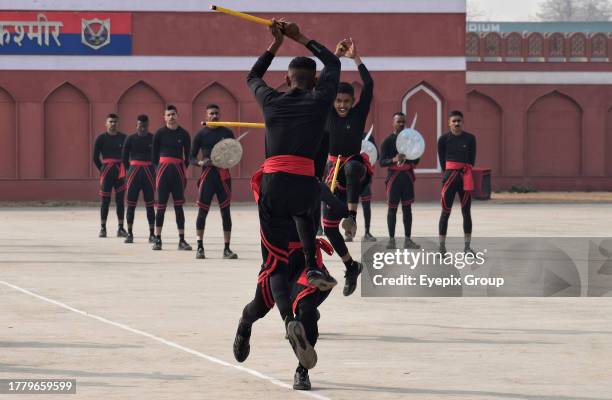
[(143, 118), (399, 114), (303, 63), (345, 87), (112, 115), (455, 113), (213, 105), (171, 107)]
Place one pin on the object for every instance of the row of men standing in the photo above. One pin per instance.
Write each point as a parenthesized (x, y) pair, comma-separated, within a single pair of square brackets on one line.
[(156, 165)]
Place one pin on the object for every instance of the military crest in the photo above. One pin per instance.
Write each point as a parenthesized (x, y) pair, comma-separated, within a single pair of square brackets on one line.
[(95, 33)]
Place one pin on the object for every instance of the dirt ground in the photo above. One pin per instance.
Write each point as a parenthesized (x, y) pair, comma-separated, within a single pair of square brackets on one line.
[(130, 323)]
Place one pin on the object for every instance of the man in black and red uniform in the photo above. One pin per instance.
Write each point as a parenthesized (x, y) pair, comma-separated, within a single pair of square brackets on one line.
[(109, 145), (457, 154), (140, 174), (171, 145), (345, 124), (287, 185), (400, 183), (213, 181)]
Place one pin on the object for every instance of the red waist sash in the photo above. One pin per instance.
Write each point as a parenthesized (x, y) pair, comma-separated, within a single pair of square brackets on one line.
[(140, 163), (286, 163), (468, 178), (116, 161)]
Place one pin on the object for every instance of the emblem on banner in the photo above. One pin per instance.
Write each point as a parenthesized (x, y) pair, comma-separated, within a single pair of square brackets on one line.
[(95, 33)]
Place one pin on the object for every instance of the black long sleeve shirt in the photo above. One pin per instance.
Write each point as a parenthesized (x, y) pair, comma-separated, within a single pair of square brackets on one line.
[(346, 132), (205, 140), (388, 150), (108, 146), (295, 119), (138, 148), (171, 143), (459, 148)]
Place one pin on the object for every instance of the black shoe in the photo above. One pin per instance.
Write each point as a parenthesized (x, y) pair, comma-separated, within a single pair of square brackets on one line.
[(157, 245), (391, 244), (351, 274), (230, 255), (129, 238), (468, 250), (321, 280), (301, 381), (368, 237), (305, 353), (183, 245), (442, 249), (200, 253), (349, 225), (151, 238), (121, 232), (242, 347), (348, 237), (102, 233), (409, 244)]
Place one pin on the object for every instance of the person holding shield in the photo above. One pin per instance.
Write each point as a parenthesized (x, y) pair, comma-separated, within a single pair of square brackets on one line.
[(457, 154), (213, 181), (400, 183)]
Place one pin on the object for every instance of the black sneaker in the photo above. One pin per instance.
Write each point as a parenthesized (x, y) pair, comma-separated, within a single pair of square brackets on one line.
[(321, 280), (121, 232), (151, 238), (157, 245), (409, 244), (349, 225), (102, 233), (302, 348), (183, 245), (391, 244), (442, 249), (242, 347), (468, 250), (129, 239), (348, 237), (301, 381), (351, 274), (368, 237), (230, 255), (200, 253)]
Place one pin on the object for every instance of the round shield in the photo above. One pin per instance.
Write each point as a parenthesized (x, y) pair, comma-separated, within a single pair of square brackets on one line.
[(410, 143), (369, 148), (226, 153)]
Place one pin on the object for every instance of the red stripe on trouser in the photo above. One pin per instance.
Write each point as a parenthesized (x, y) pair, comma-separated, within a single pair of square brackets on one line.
[(181, 172), (274, 256), (389, 184), (365, 198), (177, 202), (132, 203), (160, 172), (303, 293), (466, 197), (281, 254), (228, 192), (451, 178), (150, 177), (104, 194), (407, 202), (203, 206), (331, 223), (267, 292), (131, 175), (149, 204)]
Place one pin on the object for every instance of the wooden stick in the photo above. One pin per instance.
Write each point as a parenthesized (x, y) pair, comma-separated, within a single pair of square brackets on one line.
[(245, 16), (335, 178), (235, 124)]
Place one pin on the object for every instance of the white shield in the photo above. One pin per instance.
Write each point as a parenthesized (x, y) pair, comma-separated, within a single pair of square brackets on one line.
[(226, 153), (95, 33), (410, 143), (369, 148)]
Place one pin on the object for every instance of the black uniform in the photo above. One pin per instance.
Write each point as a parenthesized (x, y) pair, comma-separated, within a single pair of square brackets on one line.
[(112, 173), (213, 180), (294, 127), (366, 195), (400, 185), (459, 148), (171, 156), (345, 138), (140, 174)]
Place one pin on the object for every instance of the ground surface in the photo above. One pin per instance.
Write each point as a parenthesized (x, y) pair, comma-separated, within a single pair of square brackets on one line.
[(129, 323)]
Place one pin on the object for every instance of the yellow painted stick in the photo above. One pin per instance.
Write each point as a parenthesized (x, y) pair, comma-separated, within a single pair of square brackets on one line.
[(235, 124), (335, 178), (245, 16)]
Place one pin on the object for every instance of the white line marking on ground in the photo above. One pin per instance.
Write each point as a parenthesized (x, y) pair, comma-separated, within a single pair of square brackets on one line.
[(215, 360)]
